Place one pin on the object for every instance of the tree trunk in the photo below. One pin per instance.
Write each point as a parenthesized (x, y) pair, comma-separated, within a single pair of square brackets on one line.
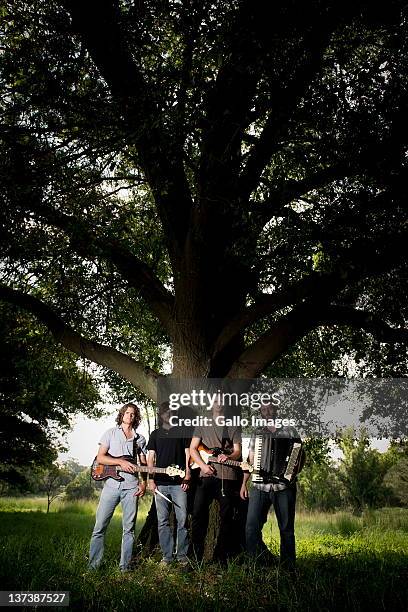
[(148, 538)]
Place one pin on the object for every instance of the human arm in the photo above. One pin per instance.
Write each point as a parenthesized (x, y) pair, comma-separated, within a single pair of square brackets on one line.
[(236, 453), (195, 455), (186, 480), (142, 485), (244, 487), (143, 461), (104, 458), (151, 460)]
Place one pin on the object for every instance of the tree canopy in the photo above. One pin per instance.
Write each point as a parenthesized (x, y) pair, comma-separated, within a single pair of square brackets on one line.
[(41, 389), (217, 184)]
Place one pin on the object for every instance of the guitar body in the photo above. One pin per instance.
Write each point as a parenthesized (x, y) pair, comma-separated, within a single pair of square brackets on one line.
[(208, 456), (205, 454), (103, 472)]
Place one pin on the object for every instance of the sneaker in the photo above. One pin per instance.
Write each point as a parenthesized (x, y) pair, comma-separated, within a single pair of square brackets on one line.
[(165, 563)]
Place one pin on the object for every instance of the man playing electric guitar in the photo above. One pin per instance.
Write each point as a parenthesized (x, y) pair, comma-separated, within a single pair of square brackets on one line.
[(115, 442), (216, 482)]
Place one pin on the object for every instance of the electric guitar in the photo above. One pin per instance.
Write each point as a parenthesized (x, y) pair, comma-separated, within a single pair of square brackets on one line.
[(209, 455), (102, 472)]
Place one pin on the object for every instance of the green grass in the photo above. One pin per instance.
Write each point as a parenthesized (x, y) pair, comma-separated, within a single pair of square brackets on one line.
[(25, 504), (344, 563)]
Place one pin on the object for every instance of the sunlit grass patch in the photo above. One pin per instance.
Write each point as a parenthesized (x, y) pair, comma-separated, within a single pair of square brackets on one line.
[(77, 507), (26, 504), (344, 562)]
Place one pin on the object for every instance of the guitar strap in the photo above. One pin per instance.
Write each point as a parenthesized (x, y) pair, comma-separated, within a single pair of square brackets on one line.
[(137, 451), (225, 439), (136, 448)]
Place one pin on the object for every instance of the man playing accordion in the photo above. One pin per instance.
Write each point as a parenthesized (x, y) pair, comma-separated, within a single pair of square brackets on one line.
[(277, 456)]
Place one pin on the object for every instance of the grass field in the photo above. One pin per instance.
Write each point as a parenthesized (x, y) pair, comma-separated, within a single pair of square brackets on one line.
[(344, 563)]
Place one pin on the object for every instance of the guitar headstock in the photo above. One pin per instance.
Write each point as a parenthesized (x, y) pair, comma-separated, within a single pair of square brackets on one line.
[(174, 470), (247, 467)]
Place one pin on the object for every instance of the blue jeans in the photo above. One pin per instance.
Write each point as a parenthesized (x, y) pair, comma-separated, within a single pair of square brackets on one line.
[(109, 499), (163, 507), (258, 507)]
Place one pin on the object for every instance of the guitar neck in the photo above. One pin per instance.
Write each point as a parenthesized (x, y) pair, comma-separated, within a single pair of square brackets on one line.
[(149, 470), (227, 462)]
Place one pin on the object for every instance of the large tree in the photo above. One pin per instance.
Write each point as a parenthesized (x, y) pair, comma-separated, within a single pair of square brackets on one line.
[(220, 178)]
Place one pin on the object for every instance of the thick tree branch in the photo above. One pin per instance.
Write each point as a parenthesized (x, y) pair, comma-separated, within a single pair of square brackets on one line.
[(25, 168), (286, 332), (229, 100), (291, 190), (252, 54), (142, 377), (160, 156), (285, 99), (377, 327), (358, 262), (267, 304), (287, 89), (297, 323), (139, 275)]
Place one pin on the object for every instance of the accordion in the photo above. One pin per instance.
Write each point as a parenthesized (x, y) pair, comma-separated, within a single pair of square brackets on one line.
[(277, 460)]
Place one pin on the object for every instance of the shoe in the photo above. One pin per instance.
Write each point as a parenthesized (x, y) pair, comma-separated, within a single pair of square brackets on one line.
[(184, 564), (183, 561), (164, 563)]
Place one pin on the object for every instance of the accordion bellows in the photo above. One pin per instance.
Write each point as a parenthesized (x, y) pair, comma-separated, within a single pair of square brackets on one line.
[(277, 460)]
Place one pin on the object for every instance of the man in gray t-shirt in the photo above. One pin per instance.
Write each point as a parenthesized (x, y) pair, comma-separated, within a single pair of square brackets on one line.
[(218, 482), (218, 436), (118, 445), (115, 443)]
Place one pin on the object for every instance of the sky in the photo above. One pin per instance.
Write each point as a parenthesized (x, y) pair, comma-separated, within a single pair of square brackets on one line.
[(82, 441)]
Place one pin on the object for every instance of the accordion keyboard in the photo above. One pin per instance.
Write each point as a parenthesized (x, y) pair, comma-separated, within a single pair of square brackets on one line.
[(256, 476)]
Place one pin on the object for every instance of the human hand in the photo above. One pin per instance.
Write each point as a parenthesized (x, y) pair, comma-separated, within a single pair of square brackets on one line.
[(243, 492), (126, 466), (185, 483), (208, 470), (221, 458), (142, 490), (152, 486)]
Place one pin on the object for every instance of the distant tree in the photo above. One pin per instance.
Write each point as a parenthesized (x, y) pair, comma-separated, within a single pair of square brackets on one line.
[(319, 486), (361, 472), (396, 479), (41, 389), (72, 466), (52, 481), (81, 487), (397, 450)]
